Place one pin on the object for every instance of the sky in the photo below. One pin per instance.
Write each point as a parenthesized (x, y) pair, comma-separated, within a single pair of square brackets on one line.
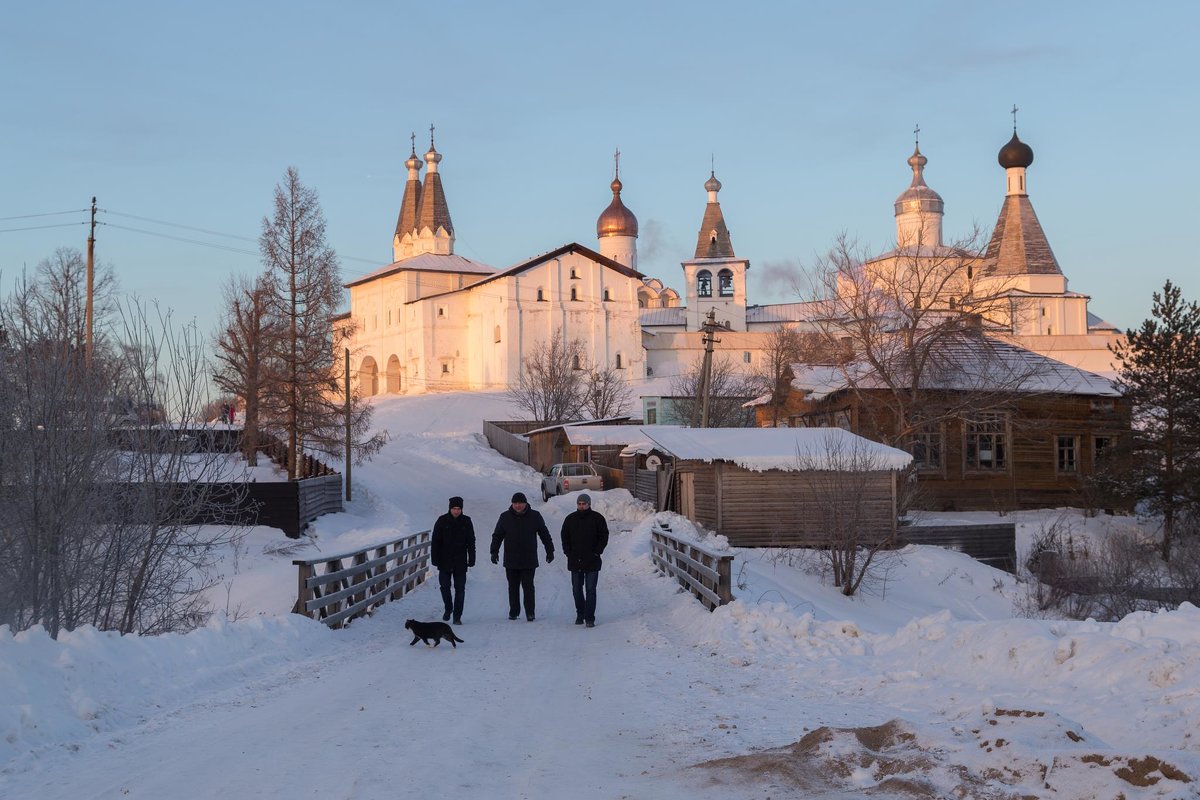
[(984, 700), (189, 115)]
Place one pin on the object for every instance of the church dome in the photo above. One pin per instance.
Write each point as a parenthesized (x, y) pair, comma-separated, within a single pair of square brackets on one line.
[(919, 197), (616, 220), (712, 184), (1015, 154)]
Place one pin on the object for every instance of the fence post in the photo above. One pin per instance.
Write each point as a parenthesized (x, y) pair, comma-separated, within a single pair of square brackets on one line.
[(303, 592), (725, 583)]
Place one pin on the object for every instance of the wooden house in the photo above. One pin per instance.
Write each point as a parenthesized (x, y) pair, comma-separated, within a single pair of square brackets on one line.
[(764, 487), (551, 444), (1005, 428)]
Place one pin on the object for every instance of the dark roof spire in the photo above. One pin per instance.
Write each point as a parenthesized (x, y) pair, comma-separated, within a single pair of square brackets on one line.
[(713, 240)]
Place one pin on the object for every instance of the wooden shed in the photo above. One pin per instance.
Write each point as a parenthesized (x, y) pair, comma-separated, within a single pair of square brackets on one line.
[(551, 445), (769, 487)]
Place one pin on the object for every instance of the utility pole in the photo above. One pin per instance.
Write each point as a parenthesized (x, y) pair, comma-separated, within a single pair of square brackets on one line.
[(348, 492), (710, 328), (91, 253)]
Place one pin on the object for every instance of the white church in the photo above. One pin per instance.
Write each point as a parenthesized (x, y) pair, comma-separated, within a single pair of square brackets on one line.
[(433, 320)]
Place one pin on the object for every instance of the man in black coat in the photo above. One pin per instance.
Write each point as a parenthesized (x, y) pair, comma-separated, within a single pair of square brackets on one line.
[(518, 529), (584, 537), (452, 551)]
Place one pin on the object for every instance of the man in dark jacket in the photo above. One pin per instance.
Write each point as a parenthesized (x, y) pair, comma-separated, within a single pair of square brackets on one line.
[(518, 529), (452, 551), (584, 537)]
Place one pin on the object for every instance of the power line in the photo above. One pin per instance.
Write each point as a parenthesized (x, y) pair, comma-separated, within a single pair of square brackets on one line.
[(178, 225), (228, 248), (47, 214), (42, 227)]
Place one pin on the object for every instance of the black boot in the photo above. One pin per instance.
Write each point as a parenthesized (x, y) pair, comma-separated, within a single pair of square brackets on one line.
[(446, 617)]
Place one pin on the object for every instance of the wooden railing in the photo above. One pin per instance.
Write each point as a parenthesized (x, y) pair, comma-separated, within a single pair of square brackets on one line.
[(704, 573), (337, 589)]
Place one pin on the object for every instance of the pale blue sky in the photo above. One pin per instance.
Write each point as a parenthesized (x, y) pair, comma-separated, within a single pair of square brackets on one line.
[(190, 113)]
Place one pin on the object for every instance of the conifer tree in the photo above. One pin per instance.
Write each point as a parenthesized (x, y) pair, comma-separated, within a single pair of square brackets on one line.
[(305, 293), (1160, 374)]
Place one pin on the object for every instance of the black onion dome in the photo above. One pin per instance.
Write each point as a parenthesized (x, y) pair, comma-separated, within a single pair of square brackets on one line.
[(1015, 154)]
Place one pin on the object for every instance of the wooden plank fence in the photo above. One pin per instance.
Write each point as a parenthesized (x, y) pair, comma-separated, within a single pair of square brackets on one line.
[(706, 574), (994, 544), (506, 438), (340, 588)]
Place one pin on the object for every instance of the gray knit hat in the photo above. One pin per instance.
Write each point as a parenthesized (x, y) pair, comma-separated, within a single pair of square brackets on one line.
[(585, 498)]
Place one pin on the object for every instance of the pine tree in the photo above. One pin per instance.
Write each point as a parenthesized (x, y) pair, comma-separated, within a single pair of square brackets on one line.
[(1160, 374), (305, 293)]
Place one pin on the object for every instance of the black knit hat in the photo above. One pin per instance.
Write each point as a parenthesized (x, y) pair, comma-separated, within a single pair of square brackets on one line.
[(456, 502), (519, 497)]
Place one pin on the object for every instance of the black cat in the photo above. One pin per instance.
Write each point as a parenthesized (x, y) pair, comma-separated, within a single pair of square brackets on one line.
[(432, 630)]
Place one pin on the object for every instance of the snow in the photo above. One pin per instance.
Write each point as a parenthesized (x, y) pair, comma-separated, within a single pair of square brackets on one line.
[(791, 449), (925, 680)]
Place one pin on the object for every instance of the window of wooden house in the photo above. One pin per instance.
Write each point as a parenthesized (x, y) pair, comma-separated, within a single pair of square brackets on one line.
[(1066, 454), (651, 416), (1103, 404), (704, 283), (986, 442), (927, 446), (1102, 448)]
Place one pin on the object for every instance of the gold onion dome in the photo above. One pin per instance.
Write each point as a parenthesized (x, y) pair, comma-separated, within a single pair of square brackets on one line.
[(616, 220), (1015, 154)]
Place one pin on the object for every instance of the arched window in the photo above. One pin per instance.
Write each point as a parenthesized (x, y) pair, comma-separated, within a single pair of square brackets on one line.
[(541, 296), (725, 282), (641, 302), (574, 274), (575, 363), (574, 293), (607, 296), (704, 283), (620, 362)]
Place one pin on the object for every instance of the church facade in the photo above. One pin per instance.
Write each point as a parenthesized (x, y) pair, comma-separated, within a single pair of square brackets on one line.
[(433, 320)]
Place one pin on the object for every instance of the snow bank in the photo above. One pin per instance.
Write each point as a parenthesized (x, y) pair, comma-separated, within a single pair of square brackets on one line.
[(59, 692)]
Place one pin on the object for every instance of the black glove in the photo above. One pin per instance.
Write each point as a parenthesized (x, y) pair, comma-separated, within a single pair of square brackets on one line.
[(549, 558), (470, 563), (495, 558)]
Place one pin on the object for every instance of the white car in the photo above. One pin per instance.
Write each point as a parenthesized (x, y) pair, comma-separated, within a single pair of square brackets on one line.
[(563, 478)]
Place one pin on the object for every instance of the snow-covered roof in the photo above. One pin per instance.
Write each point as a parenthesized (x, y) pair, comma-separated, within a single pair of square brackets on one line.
[(608, 434), (427, 262), (789, 449), (649, 317), (598, 423), (968, 363), (1096, 323), (784, 312)]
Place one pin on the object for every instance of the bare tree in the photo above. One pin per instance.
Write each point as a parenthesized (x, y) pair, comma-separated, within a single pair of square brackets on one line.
[(925, 328), (59, 292), (729, 390), (783, 347), (842, 473), (94, 524), (608, 394), (243, 347), (305, 293), (552, 385)]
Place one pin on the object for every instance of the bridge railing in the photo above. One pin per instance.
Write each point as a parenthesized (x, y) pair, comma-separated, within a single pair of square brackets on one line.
[(704, 573), (339, 588)]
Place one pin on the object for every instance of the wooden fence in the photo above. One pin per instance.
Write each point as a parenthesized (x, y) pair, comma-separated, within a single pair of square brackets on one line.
[(506, 438), (340, 588), (704, 573), (994, 545)]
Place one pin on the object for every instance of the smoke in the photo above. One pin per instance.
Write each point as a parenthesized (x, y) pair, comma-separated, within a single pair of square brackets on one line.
[(780, 280)]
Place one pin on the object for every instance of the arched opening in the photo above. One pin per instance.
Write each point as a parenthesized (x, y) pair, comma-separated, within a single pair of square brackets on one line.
[(541, 295), (704, 283), (368, 377), (574, 293), (725, 282), (607, 295), (620, 362), (393, 375), (575, 363)]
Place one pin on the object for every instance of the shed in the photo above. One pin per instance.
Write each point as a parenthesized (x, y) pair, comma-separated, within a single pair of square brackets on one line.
[(550, 445), (769, 487)]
